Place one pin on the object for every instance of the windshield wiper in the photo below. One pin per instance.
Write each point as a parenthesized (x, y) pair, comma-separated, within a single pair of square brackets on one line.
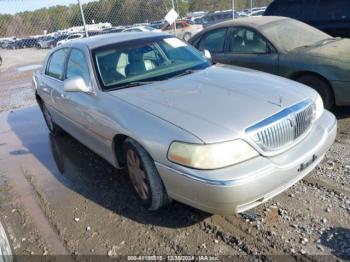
[(132, 84), (187, 72)]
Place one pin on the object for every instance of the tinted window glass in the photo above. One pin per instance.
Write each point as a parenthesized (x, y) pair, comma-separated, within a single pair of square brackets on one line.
[(213, 41), (291, 9), (77, 66), (157, 59), (55, 66), (244, 40), (332, 10)]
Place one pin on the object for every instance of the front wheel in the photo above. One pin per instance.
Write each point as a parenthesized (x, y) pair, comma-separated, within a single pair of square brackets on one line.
[(321, 86), (144, 176)]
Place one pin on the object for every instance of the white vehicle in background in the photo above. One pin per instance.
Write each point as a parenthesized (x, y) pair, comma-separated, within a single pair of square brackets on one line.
[(142, 29), (184, 30), (70, 38), (257, 13)]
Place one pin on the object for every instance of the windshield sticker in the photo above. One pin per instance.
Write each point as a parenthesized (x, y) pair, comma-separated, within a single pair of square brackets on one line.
[(174, 42)]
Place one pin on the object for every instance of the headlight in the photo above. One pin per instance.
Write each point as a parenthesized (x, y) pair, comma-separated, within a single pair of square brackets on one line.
[(211, 156), (319, 106)]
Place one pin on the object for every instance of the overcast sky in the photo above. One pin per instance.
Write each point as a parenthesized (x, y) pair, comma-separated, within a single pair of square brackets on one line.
[(15, 6)]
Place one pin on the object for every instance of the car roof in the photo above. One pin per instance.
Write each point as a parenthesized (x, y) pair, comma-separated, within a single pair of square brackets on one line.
[(252, 21), (93, 42)]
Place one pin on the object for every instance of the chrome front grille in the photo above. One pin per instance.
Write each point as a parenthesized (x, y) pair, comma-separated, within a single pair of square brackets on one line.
[(283, 129)]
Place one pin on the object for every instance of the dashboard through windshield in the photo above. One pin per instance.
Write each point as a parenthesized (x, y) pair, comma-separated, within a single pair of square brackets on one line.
[(157, 59)]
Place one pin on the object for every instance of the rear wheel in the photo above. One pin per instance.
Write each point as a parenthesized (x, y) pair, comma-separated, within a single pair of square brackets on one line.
[(144, 176), (321, 86), (51, 125)]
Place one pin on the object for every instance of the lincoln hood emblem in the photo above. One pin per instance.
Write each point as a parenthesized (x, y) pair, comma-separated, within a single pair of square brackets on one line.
[(279, 103)]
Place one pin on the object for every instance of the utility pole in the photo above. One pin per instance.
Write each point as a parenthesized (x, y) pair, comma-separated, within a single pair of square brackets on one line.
[(83, 17), (172, 1), (251, 4), (233, 9)]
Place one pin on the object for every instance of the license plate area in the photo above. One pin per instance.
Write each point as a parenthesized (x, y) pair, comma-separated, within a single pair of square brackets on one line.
[(305, 165)]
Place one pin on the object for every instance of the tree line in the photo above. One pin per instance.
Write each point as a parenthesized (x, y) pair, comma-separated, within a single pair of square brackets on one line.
[(116, 12)]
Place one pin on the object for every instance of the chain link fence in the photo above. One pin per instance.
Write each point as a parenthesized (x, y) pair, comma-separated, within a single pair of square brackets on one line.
[(33, 24)]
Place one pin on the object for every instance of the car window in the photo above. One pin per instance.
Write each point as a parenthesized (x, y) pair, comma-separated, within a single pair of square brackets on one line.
[(179, 25), (331, 10), (55, 67), (243, 40), (213, 41), (77, 66), (291, 8), (157, 59)]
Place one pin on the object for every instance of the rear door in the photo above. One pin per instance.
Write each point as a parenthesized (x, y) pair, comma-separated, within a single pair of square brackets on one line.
[(248, 48)]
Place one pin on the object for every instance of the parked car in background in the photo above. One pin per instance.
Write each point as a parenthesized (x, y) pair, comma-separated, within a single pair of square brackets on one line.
[(47, 42), (141, 29), (184, 128), (157, 24), (257, 13), (184, 30), (330, 16), (116, 29), (217, 17), (70, 38), (265, 43)]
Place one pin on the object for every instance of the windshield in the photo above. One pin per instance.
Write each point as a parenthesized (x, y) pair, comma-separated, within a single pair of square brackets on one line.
[(153, 59), (290, 34), (149, 28)]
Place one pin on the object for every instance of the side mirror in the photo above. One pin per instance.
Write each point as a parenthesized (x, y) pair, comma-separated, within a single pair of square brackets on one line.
[(76, 84), (207, 54)]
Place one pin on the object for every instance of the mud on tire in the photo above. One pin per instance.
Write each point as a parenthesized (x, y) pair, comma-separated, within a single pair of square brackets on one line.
[(157, 196)]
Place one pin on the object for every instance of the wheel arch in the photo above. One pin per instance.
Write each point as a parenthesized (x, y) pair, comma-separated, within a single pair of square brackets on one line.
[(118, 150), (299, 74)]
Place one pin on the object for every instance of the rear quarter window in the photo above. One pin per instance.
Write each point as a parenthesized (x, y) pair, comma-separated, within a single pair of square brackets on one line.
[(56, 64)]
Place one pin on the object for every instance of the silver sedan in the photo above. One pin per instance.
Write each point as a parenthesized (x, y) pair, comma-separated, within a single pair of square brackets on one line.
[(220, 138)]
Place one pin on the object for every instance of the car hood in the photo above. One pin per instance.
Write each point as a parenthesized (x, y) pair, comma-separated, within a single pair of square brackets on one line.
[(218, 103), (335, 50)]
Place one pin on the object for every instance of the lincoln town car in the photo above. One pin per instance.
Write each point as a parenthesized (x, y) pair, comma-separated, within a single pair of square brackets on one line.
[(220, 138)]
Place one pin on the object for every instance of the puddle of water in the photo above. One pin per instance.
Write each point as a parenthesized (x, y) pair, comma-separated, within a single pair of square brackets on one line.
[(28, 68)]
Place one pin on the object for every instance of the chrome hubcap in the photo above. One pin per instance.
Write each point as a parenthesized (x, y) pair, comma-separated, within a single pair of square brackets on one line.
[(137, 174)]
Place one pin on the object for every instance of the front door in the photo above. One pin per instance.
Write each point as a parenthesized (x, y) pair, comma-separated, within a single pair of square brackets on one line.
[(248, 48)]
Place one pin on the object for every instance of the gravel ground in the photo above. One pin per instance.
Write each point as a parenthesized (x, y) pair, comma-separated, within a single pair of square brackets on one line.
[(58, 197)]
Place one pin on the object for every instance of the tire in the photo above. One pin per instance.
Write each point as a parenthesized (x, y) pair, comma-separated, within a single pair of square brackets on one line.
[(187, 36), (54, 129), (0, 60), (156, 196), (321, 86)]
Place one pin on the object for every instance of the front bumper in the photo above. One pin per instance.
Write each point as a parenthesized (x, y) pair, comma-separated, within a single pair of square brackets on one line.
[(246, 185)]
